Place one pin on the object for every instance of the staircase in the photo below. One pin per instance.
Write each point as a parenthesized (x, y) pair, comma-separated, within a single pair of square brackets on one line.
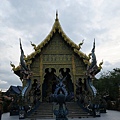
[(75, 111), (45, 111)]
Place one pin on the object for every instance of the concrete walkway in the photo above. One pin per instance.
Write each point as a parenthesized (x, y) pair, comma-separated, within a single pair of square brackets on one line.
[(110, 115)]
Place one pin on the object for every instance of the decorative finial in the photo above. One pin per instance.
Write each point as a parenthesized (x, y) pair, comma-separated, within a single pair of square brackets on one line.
[(12, 65), (80, 44), (20, 40), (100, 65), (56, 14), (34, 46), (94, 42), (93, 50), (20, 44)]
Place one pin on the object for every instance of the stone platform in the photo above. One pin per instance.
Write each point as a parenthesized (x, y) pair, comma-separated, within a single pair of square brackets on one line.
[(110, 115)]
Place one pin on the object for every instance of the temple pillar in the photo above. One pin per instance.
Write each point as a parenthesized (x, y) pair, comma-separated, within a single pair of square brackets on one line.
[(74, 77), (41, 76)]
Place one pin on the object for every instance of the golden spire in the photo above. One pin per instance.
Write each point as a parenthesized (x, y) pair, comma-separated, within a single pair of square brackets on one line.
[(56, 15)]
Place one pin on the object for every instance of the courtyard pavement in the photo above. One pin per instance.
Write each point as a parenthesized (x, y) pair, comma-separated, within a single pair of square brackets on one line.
[(110, 115)]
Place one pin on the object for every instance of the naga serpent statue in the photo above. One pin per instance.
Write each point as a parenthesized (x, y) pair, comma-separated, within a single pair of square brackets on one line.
[(25, 75), (92, 70)]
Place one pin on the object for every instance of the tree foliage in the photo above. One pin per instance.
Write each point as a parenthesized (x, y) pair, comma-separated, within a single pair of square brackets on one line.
[(108, 84)]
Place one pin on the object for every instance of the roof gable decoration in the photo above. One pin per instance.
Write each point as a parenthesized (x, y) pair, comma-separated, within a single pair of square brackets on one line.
[(56, 27)]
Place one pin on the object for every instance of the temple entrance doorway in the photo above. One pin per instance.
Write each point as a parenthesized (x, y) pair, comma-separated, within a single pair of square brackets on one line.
[(50, 82)]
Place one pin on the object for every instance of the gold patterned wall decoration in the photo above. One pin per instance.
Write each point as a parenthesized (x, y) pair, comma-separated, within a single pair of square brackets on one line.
[(51, 58)]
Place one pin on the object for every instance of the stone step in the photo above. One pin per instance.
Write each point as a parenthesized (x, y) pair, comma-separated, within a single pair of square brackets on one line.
[(38, 115), (45, 111), (42, 113), (75, 111), (41, 117)]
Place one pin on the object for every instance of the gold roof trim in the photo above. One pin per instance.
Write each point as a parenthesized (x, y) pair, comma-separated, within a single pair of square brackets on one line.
[(56, 27)]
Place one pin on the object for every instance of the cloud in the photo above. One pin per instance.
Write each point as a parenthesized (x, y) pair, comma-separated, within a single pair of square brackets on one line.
[(3, 85), (80, 19), (2, 82)]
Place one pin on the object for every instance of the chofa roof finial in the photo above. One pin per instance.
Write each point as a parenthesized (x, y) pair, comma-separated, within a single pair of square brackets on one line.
[(56, 14)]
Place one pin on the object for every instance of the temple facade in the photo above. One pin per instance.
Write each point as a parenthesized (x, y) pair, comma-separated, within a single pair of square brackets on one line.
[(57, 56)]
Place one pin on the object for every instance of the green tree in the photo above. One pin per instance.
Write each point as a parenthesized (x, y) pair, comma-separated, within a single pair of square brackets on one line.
[(109, 83)]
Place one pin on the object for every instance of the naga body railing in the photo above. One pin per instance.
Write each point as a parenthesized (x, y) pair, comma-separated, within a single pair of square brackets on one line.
[(25, 76)]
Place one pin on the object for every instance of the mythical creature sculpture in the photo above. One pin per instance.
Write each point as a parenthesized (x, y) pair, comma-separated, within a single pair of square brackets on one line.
[(12, 65), (34, 46), (60, 86), (89, 56), (26, 74), (94, 62), (60, 96), (92, 70), (80, 44), (79, 90), (100, 65), (22, 59), (36, 91)]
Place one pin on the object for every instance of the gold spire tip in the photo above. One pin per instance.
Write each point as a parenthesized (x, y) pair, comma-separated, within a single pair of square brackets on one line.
[(56, 14)]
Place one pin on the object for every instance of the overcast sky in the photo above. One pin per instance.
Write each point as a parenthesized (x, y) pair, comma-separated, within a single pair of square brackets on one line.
[(32, 20)]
